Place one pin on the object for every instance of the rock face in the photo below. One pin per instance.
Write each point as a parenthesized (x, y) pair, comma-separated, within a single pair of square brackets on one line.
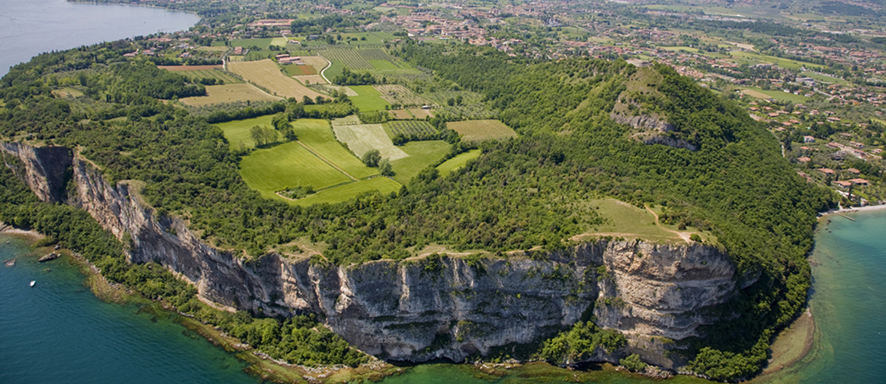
[(44, 169), (654, 130), (425, 308)]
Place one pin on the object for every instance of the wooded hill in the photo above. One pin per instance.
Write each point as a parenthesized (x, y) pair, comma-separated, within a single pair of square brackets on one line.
[(520, 193)]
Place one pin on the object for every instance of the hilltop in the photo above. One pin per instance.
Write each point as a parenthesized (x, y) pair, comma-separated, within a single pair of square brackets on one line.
[(704, 168)]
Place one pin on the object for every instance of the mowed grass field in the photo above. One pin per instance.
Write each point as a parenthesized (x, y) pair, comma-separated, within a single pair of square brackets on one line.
[(266, 74), (228, 93), (316, 159), (368, 99), (422, 154), (457, 162), (318, 136), (348, 191), (287, 165), (479, 130), (237, 131)]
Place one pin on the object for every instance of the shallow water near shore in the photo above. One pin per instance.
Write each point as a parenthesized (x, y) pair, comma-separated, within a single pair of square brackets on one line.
[(59, 332)]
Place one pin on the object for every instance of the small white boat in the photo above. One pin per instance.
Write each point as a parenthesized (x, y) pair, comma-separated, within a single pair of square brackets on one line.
[(33, 283)]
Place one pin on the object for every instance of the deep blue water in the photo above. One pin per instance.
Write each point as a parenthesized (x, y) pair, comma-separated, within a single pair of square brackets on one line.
[(31, 27)]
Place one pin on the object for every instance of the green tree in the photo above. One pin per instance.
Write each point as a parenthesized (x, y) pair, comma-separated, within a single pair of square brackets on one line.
[(372, 158)]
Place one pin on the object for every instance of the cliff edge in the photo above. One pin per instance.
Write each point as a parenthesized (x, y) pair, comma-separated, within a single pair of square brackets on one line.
[(421, 308)]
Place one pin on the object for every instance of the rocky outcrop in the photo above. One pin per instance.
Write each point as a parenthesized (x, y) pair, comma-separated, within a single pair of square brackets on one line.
[(653, 130), (431, 307), (44, 169), (644, 122)]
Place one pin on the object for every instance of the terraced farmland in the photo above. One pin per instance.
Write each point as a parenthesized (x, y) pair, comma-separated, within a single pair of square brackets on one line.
[(411, 128), (266, 74)]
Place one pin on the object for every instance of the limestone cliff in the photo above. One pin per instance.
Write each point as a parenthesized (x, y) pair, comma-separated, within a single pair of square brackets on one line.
[(424, 308)]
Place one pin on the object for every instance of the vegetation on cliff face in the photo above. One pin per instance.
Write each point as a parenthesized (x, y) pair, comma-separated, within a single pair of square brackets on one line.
[(298, 340), (520, 193)]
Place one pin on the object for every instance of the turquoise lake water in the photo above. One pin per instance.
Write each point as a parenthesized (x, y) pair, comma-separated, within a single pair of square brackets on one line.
[(59, 331)]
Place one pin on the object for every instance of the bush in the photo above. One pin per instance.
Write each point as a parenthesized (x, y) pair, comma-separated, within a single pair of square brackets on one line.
[(633, 363)]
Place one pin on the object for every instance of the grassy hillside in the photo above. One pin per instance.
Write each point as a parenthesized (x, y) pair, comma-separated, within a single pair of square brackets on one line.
[(531, 191)]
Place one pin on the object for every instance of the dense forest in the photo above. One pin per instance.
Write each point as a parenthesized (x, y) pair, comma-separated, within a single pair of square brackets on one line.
[(525, 192)]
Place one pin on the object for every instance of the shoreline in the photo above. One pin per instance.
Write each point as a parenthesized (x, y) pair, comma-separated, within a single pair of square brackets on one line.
[(7, 229), (869, 208), (259, 364)]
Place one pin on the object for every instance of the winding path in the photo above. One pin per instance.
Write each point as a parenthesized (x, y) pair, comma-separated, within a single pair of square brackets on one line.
[(682, 235)]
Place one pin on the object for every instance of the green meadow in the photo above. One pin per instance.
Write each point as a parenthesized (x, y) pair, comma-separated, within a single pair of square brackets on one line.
[(368, 100), (269, 170), (238, 131), (318, 136), (457, 162), (422, 154)]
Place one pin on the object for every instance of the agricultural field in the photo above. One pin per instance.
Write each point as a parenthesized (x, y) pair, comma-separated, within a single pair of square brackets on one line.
[(401, 114), (264, 43), (362, 138), (259, 55), (318, 137), (228, 93), (398, 94), (368, 99), (422, 154), (237, 131), (266, 74), (318, 62), (421, 113), (411, 128), (472, 105), (479, 130), (347, 191), (360, 60), (775, 94), (196, 72), (314, 79), (188, 68), (457, 162), (299, 70), (287, 165), (752, 58), (328, 88)]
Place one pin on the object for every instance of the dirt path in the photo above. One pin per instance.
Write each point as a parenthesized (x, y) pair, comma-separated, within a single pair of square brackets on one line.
[(682, 235)]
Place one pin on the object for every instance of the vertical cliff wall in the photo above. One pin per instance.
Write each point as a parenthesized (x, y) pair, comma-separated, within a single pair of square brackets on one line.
[(422, 308)]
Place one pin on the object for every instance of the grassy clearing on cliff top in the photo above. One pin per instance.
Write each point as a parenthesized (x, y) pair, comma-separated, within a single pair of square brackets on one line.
[(630, 222)]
